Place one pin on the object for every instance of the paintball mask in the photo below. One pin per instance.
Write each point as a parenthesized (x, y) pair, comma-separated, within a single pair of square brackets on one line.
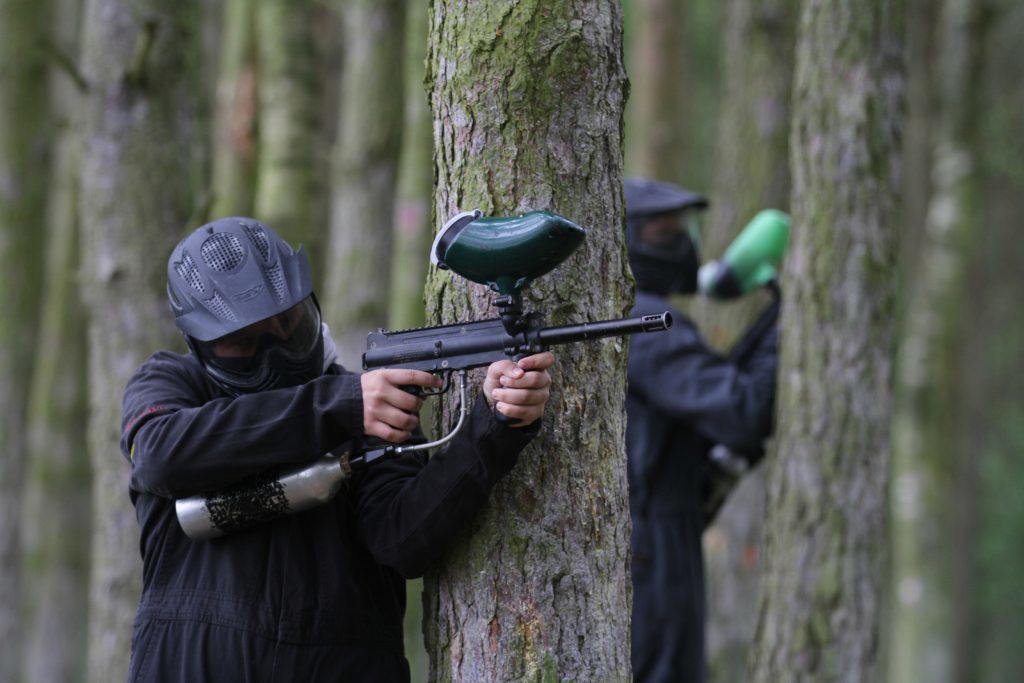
[(280, 351), (243, 299), (662, 233)]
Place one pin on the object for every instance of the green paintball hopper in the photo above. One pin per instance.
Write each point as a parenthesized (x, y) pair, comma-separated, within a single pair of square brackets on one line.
[(505, 253), (751, 261)]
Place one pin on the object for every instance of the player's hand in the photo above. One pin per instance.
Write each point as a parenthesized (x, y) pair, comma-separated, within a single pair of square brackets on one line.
[(520, 390), (389, 411)]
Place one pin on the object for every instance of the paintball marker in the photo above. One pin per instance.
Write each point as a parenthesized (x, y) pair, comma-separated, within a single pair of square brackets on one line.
[(504, 253), (751, 261)]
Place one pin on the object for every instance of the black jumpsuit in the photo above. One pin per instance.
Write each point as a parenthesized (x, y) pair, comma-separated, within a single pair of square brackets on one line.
[(317, 596), (683, 398)]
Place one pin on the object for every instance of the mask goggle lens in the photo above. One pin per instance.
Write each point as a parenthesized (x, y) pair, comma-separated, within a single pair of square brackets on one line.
[(293, 333)]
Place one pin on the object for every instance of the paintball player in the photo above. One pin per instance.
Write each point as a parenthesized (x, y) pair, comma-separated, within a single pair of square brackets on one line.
[(318, 595), (683, 399)]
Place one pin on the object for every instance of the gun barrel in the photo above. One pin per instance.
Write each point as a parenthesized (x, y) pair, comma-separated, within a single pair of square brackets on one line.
[(565, 334)]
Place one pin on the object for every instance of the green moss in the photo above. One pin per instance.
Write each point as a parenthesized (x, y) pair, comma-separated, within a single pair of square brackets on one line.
[(549, 670)]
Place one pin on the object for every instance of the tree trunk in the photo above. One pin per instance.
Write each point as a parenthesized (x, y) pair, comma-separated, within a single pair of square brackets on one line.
[(140, 121), (995, 330), (56, 511), (24, 148), (659, 64), (292, 169), (931, 466), (415, 183), (824, 560), (366, 164), (527, 103), (235, 119), (751, 174)]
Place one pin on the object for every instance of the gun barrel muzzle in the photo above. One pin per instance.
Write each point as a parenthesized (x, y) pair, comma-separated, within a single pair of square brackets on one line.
[(605, 328)]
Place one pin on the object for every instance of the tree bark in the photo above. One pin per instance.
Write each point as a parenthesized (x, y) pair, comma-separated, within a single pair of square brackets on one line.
[(366, 166), (292, 170), (527, 101), (24, 149), (140, 122), (821, 596)]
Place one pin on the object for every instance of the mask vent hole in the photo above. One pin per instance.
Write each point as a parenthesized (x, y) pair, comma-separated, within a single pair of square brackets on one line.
[(259, 240), (276, 278), (188, 272), (220, 307), (222, 252)]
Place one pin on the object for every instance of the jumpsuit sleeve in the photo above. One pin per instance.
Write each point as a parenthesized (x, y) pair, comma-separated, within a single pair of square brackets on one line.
[(410, 508), (179, 445), (725, 402)]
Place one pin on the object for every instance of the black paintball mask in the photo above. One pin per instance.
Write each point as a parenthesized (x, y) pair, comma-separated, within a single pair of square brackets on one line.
[(243, 299), (663, 236)]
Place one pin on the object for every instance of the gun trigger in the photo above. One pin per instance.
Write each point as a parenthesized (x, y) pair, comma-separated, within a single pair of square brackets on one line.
[(413, 389)]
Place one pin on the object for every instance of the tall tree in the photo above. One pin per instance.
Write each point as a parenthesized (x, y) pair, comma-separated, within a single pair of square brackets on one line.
[(527, 101), (751, 172), (821, 596), (934, 573), (140, 122), (659, 72), (24, 132), (996, 336), (365, 170), (415, 182), (236, 105), (292, 170), (55, 515)]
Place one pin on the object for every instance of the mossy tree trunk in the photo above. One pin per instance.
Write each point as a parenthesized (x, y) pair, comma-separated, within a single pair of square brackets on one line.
[(235, 113), (527, 101), (24, 150), (55, 515), (933, 588), (358, 271), (141, 118), (820, 607), (292, 168), (751, 173)]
